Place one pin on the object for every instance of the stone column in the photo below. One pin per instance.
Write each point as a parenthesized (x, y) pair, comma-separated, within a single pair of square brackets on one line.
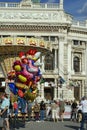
[(72, 68), (69, 58), (86, 69), (55, 89), (80, 89), (83, 88), (83, 63), (61, 55), (55, 64), (55, 58), (43, 63), (42, 91)]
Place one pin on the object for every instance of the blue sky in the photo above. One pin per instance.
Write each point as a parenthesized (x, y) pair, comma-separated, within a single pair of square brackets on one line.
[(77, 8)]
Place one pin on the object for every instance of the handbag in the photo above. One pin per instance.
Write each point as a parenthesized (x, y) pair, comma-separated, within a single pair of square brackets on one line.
[(1, 122)]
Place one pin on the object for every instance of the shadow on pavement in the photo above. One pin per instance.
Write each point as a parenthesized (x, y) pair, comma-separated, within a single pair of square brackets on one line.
[(73, 127), (17, 125)]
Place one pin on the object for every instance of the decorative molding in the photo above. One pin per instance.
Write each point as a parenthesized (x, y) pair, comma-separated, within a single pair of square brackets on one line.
[(47, 28), (33, 15), (61, 39)]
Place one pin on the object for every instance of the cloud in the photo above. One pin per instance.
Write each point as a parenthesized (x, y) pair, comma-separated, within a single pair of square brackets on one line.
[(83, 9), (81, 18)]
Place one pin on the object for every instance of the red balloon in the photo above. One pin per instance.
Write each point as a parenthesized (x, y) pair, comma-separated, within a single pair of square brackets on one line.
[(31, 51), (20, 93)]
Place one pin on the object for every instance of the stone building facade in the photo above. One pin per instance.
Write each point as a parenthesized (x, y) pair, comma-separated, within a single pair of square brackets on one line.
[(62, 41)]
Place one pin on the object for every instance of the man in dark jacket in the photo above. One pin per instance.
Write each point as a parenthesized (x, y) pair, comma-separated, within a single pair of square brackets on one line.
[(42, 110), (74, 110)]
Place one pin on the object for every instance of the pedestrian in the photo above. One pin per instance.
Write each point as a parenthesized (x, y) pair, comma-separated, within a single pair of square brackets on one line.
[(79, 112), (5, 109), (15, 108), (36, 111), (29, 109), (61, 109), (55, 111), (10, 110), (48, 111), (74, 111), (84, 112), (23, 105), (42, 110)]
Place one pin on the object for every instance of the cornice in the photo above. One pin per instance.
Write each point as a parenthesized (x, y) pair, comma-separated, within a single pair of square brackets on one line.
[(78, 30), (25, 27)]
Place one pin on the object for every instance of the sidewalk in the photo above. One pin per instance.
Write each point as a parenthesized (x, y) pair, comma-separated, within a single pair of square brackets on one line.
[(47, 125)]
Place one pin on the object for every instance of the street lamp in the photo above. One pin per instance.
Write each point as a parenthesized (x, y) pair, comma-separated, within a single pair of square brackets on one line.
[(60, 83)]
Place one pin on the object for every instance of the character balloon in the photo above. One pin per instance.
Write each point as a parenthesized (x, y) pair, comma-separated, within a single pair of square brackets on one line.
[(26, 73)]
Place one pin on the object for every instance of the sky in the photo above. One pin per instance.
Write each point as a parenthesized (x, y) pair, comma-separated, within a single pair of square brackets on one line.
[(76, 8)]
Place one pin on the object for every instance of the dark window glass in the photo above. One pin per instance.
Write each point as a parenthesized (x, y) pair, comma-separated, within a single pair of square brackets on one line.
[(52, 38), (46, 38), (76, 64), (75, 42), (48, 62)]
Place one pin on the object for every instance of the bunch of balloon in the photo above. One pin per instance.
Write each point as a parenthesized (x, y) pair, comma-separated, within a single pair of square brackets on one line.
[(22, 80)]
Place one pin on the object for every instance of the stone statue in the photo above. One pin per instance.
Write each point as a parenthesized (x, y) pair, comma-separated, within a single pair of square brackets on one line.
[(26, 2)]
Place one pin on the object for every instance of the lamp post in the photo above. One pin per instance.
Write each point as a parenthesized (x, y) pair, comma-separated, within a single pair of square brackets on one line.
[(61, 81)]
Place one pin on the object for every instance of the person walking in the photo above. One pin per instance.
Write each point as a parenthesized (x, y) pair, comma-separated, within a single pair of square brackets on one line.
[(61, 109), (5, 109), (84, 112), (55, 111), (36, 111), (29, 109), (74, 111), (15, 108), (79, 112), (42, 110), (49, 111)]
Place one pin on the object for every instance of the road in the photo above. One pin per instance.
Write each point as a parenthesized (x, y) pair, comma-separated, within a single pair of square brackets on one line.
[(46, 125)]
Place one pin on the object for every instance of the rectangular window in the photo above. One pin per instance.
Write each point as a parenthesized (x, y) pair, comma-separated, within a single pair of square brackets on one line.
[(46, 38), (52, 38), (75, 42), (82, 43)]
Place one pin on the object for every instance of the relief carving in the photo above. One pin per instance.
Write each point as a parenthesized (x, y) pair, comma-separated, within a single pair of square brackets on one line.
[(31, 15)]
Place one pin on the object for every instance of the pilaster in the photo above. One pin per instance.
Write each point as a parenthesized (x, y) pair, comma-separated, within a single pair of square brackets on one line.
[(42, 91), (43, 69), (86, 70), (56, 63), (83, 62), (55, 90), (83, 85), (61, 55), (69, 58)]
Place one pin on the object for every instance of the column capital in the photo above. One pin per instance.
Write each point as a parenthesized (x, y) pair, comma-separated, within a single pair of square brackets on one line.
[(61, 38), (69, 41)]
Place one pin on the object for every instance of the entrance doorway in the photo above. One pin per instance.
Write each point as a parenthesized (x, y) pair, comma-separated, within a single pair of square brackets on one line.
[(76, 93), (48, 93)]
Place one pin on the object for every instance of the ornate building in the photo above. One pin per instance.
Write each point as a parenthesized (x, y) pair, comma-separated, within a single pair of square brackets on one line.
[(62, 41)]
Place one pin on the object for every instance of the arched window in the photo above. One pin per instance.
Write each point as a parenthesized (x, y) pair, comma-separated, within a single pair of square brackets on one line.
[(76, 64)]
